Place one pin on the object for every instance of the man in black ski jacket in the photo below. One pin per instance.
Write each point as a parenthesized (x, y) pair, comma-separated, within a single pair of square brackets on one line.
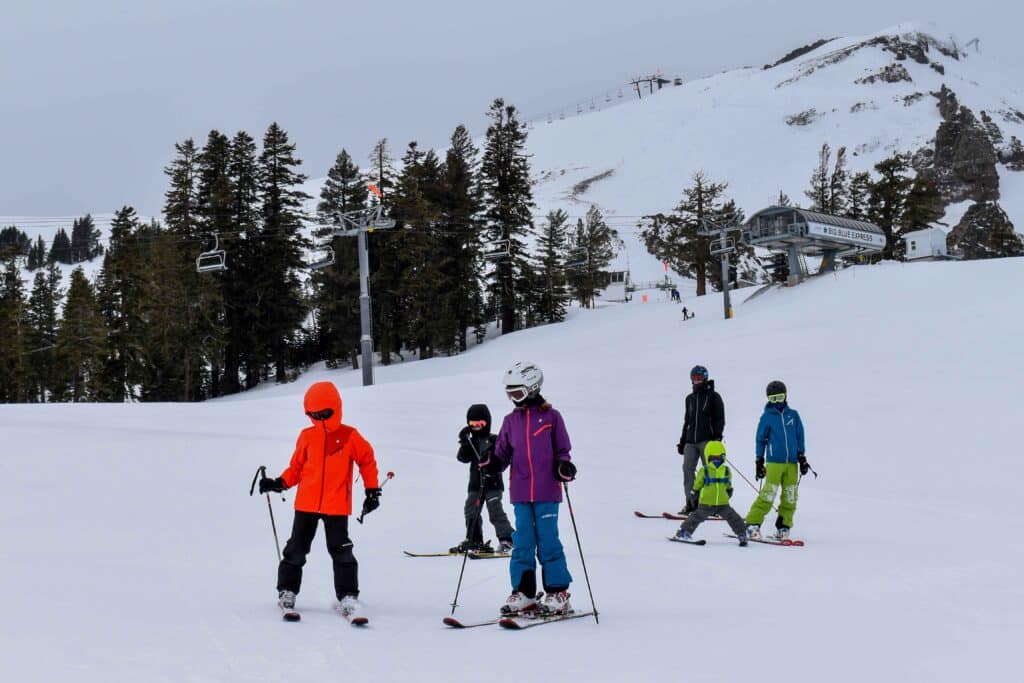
[(704, 421)]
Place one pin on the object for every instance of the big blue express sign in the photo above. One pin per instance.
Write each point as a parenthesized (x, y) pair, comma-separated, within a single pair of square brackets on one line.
[(847, 235)]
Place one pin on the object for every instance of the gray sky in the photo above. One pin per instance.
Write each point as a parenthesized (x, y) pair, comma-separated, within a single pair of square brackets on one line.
[(93, 95)]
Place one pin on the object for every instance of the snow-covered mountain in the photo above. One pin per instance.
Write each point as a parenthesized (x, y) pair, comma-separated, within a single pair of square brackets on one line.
[(761, 128)]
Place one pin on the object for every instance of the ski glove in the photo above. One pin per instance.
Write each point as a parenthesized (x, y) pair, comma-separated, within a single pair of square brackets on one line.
[(372, 501), (760, 471), (565, 470), (804, 466), (464, 434), (275, 485), (681, 448)]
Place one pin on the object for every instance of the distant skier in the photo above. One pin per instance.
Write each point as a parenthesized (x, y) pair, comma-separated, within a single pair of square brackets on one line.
[(675, 296), (476, 445), (322, 467), (714, 485), (686, 314), (779, 452), (703, 421), (534, 441)]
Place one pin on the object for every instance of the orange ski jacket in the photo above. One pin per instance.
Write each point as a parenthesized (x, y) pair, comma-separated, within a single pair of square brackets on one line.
[(322, 463)]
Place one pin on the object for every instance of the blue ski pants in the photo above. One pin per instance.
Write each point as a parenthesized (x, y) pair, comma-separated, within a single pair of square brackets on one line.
[(536, 538)]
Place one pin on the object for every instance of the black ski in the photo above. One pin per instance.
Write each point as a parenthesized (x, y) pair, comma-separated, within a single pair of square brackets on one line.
[(696, 541), (673, 515), (519, 623), (448, 554)]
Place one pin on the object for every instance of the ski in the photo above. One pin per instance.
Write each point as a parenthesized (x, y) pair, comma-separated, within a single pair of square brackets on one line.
[(353, 619), (644, 515), (487, 556), (696, 541), (449, 554), (290, 614), (519, 623), (455, 623), (673, 515), (772, 541)]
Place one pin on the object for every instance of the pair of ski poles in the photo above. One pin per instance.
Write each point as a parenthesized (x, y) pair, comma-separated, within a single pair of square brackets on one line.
[(261, 472)]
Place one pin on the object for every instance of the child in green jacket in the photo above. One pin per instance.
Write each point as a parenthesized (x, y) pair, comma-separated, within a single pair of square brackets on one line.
[(714, 484)]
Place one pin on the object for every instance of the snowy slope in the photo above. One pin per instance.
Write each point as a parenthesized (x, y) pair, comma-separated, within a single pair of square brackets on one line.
[(132, 551), (733, 126)]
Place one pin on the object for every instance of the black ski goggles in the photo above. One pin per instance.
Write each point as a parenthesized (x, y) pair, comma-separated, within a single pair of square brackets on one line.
[(321, 414)]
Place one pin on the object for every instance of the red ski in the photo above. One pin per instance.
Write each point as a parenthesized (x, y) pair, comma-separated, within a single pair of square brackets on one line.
[(772, 541)]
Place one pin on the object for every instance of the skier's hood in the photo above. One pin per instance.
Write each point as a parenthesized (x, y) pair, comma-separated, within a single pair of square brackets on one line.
[(479, 411), (320, 396)]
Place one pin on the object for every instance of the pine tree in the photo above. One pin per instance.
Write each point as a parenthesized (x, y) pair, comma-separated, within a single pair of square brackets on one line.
[(282, 243), (382, 172), (14, 333), (838, 185), (13, 242), (783, 199), (461, 239), (674, 238), (37, 257), (595, 242), (60, 250), (119, 294), (818, 192), (42, 318), (551, 248), (507, 208), (81, 344), (924, 205), (887, 203), (337, 287), (858, 196), (85, 240)]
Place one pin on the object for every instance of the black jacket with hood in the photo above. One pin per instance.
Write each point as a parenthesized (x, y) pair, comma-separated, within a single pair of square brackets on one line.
[(478, 446), (704, 415)]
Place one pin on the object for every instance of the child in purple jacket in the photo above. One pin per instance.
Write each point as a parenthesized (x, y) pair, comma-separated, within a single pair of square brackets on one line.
[(533, 441)]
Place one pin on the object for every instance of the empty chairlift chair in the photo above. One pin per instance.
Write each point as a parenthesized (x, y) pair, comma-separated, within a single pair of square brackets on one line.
[(213, 260)]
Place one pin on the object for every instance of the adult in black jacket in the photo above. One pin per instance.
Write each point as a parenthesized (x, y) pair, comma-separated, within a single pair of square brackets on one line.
[(704, 420), (476, 446)]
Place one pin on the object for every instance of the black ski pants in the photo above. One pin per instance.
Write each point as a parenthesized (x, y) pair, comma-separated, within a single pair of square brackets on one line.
[(474, 516), (346, 569)]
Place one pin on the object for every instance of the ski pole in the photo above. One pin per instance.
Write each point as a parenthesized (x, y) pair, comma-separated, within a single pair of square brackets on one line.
[(388, 477), (756, 488), (477, 522), (572, 516), (262, 470)]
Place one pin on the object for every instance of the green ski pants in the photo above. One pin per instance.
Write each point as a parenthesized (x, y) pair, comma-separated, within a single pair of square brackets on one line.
[(779, 477)]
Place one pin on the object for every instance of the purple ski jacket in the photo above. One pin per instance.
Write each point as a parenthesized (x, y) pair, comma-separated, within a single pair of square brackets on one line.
[(530, 440)]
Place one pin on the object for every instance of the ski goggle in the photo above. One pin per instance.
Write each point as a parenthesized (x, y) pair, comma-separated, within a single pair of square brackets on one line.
[(478, 424), (777, 398), (321, 414), (696, 378), (517, 394)]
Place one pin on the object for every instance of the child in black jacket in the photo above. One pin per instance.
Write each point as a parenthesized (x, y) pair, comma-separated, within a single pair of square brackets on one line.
[(476, 444)]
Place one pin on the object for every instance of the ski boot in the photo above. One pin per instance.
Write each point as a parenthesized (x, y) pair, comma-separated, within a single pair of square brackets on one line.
[(742, 539), (465, 546), (352, 609), (684, 535), (286, 600), (754, 532), (782, 534), (506, 545), (556, 602), (484, 548), (518, 603)]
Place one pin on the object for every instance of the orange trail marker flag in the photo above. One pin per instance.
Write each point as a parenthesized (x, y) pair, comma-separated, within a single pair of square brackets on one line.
[(373, 189)]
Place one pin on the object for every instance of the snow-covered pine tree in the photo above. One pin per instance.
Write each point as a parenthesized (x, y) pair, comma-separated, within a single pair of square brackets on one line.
[(858, 196), (60, 249), (596, 242), (508, 210), (81, 350), (818, 192), (551, 251), (838, 185), (42, 319), (887, 202)]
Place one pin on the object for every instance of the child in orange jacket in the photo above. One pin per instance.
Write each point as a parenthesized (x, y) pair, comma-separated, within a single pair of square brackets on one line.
[(322, 466)]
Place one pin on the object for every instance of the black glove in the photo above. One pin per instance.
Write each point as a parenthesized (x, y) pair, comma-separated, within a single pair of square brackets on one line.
[(681, 448), (565, 470), (728, 492), (759, 470), (464, 434), (804, 466), (275, 485), (372, 501)]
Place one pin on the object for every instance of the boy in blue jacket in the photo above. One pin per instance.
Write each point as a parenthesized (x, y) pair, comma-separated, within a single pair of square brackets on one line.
[(779, 452)]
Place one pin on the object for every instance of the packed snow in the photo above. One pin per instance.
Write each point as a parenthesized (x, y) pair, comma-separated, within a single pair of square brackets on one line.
[(133, 552)]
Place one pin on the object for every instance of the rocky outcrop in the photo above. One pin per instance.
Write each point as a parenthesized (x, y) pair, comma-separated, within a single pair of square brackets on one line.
[(963, 160), (890, 73), (1013, 154), (985, 231)]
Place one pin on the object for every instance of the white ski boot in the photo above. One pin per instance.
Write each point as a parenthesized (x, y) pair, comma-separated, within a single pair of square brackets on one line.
[(782, 534), (753, 532), (286, 600), (518, 603), (556, 603), (353, 610)]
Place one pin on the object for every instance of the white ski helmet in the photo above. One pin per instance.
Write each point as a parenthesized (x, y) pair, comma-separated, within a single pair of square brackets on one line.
[(523, 380)]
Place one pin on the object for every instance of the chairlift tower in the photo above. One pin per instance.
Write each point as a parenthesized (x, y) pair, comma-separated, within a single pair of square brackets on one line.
[(726, 244), (359, 224)]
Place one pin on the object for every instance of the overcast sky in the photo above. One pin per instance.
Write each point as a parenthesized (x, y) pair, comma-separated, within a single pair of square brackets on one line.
[(93, 95)]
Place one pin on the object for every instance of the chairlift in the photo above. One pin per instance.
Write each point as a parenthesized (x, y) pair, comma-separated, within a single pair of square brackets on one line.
[(213, 260), (579, 108), (500, 249), (608, 97), (591, 105), (326, 259), (561, 115)]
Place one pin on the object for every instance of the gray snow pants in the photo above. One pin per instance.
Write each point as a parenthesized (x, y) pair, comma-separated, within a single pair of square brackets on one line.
[(692, 453), (693, 520), (474, 517)]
